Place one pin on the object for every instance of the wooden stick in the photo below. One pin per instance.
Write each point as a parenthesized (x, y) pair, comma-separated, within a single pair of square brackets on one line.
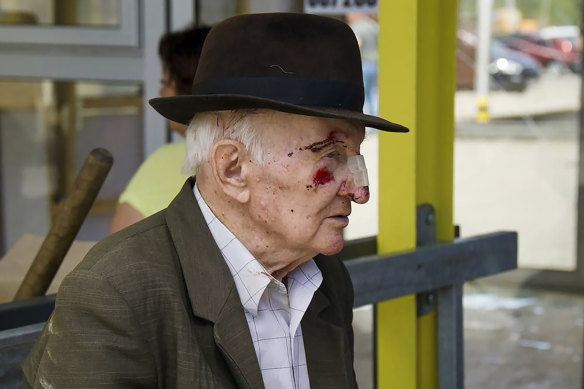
[(69, 219)]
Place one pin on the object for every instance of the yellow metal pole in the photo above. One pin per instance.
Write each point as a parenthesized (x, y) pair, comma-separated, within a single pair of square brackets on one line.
[(417, 54), (396, 319)]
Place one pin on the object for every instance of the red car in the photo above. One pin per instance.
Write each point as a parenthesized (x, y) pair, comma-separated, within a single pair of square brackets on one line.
[(549, 49), (566, 39)]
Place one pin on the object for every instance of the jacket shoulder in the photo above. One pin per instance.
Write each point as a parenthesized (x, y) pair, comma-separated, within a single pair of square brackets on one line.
[(137, 261)]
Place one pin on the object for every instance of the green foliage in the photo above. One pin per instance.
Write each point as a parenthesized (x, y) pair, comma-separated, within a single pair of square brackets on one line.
[(545, 12), (554, 12)]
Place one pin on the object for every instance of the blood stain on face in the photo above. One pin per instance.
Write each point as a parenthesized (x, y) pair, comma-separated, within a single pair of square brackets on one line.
[(318, 146), (322, 176)]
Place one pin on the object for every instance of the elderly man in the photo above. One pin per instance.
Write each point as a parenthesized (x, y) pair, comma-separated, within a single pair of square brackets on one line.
[(229, 286)]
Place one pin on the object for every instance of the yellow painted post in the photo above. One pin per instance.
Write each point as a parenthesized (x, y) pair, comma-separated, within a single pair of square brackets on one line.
[(483, 115), (417, 56), (396, 319)]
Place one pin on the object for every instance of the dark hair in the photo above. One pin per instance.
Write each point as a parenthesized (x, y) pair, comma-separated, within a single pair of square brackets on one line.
[(179, 52)]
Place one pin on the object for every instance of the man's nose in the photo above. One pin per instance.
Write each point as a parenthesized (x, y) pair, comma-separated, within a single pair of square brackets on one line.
[(356, 184), (358, 194)]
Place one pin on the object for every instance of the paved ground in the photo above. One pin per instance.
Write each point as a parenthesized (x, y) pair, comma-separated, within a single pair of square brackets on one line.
[(513, 177), (550, 93), (522, 339), (520, 172), (514, 339)]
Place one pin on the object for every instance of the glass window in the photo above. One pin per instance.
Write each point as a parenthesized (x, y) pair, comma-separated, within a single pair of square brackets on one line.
[(517, 150), (46, 131), (516, 168), (61, 13), (212, 12)]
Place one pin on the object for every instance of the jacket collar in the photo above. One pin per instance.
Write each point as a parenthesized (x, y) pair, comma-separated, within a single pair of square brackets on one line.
[(324, 344)]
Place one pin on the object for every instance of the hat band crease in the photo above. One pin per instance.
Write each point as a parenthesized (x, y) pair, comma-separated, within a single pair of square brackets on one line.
[(298, 91)]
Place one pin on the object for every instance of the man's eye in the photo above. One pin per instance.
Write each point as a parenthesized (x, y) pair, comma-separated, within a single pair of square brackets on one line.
[(333, 154)]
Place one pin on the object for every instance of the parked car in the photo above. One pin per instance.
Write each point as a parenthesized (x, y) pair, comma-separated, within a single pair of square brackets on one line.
[(553, 47), (568, 39), (509, 69)]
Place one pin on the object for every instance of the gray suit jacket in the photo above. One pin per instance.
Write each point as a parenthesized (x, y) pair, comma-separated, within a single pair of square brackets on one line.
[(155, 306)]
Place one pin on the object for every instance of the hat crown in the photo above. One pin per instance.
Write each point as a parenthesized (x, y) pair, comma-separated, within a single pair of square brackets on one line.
[(281, 45), (296, 63)]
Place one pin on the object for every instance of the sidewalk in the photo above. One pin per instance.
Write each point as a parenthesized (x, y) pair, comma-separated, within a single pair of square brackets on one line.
[(514, 338), (551, 93)]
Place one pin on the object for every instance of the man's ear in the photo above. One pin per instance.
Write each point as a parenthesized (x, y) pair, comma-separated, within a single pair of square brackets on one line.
[(229, 162)]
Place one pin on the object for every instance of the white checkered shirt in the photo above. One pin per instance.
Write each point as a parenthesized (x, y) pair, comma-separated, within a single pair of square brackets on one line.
[(273, 312)]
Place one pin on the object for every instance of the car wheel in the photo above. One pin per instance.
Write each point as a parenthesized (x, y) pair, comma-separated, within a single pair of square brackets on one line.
[(557, 67)]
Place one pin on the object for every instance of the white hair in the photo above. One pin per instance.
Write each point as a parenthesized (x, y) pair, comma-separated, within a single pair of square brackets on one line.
[(207, 128)]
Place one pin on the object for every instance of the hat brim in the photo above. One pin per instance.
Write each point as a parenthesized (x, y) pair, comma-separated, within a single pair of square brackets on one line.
[(182, 109)]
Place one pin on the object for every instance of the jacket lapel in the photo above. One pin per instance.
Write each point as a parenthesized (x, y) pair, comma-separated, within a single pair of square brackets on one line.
[(324, 344), (210, 286), (233, 338)]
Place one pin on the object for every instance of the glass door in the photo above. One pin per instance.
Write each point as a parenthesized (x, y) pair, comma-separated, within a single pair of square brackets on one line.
[(75, 75)]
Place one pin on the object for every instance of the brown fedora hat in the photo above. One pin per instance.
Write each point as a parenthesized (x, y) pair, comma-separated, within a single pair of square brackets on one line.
[(291, 62)]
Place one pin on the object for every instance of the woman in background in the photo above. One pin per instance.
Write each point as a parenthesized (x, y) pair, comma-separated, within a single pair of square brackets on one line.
[(159, 178)]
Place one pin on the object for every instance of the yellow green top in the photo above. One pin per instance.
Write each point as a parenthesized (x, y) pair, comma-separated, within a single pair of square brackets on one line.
[(157, 181)]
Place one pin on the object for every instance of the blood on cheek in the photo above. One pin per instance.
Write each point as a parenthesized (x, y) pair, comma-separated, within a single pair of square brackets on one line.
[(322, 176)]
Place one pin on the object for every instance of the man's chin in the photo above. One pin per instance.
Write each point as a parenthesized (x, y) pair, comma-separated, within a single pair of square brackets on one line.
[(333, 248)]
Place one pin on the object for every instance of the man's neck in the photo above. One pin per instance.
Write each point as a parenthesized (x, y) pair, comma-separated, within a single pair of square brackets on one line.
[(276, 260)]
